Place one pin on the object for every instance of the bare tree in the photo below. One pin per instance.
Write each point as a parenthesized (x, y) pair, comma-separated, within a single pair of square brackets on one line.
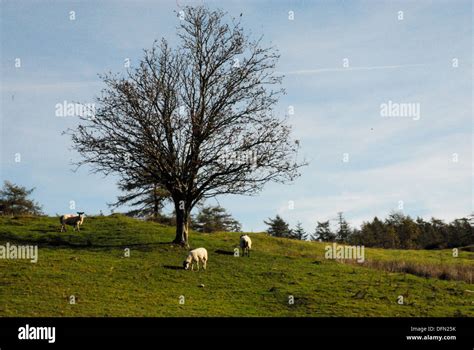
[(196, 119)]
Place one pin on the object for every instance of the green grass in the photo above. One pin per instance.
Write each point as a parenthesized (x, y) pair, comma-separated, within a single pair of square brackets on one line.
[(91, 266)]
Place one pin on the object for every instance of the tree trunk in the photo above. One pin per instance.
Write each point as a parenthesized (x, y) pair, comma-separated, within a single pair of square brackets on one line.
[(182, 225)]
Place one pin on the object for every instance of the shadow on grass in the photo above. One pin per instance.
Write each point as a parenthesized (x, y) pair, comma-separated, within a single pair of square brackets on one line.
[(80, 242), (171, 267), (51, 230), (224, 252)]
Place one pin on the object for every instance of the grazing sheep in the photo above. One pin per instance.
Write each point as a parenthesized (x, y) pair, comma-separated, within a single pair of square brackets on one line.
[(195, 256), (245, 244), (72, 220)]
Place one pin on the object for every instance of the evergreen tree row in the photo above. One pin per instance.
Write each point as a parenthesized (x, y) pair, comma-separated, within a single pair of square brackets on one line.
[(398, 231)]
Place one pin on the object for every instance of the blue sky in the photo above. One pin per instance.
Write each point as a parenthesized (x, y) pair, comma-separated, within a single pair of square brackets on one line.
[(336, 108)]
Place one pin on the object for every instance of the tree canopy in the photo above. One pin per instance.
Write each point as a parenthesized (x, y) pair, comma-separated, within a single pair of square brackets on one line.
[(196, 119)]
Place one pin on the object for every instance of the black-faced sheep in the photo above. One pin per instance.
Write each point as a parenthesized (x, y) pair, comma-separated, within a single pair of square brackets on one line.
[(72, 220)]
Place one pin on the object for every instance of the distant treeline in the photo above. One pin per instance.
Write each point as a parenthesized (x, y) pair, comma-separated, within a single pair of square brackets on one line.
[(401, 231), (398, 231)]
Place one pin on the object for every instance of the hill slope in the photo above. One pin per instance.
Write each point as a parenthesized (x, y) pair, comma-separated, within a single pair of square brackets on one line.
[(91, 266)]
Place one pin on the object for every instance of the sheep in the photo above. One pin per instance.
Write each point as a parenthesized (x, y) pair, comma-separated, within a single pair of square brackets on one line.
[(72, 220), (245, 244), (195, 256)]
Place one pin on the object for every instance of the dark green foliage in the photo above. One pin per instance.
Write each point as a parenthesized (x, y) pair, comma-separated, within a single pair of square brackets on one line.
[(343, 230), (460, 233), (278, 227), (323, 232), (401, 231), (14, 200), (146, 199), (298, 232), (215, 219)]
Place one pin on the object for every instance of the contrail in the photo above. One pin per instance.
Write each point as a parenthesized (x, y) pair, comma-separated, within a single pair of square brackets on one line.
[(49, 86), (324, 70)]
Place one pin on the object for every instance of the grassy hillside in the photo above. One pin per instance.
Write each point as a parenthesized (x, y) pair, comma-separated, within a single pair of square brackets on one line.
[(91, 266)]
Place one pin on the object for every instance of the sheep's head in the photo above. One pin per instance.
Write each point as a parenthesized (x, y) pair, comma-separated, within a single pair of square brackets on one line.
[(80, 213), (186, 265)]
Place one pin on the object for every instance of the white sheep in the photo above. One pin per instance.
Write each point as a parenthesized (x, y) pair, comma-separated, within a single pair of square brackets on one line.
[(245, 244), (195, 256), (72, 220)]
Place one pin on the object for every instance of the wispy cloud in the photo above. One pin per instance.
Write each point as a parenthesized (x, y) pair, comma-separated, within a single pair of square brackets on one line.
[(348, 69), (49, 87)]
